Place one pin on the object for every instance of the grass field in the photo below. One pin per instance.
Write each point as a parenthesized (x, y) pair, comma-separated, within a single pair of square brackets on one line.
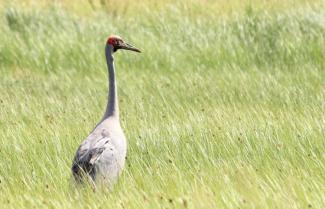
[(225, 107)]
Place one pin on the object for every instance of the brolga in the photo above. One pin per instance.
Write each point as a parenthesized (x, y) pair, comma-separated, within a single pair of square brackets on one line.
[(101, 156)]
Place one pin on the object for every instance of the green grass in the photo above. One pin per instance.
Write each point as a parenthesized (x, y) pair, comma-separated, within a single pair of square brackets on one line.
[(221, 110)]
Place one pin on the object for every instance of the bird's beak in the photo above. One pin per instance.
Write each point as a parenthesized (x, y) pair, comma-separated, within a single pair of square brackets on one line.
[(127, 46)]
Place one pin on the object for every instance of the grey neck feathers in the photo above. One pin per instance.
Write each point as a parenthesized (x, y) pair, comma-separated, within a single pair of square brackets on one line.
[(112, 105)]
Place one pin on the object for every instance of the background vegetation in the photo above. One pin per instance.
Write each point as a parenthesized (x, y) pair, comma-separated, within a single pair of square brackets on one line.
[(223, 109)]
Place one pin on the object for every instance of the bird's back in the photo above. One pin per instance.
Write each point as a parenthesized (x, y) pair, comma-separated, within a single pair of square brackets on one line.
[(101, 156)]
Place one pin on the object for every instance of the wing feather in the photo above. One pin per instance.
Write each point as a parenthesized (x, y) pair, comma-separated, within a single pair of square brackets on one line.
[(88, 154)]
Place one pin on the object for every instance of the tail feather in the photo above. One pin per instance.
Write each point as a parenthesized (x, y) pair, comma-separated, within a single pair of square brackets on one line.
[(80, 169)]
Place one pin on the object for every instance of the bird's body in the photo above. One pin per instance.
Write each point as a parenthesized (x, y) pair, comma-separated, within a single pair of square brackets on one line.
[(102, 154)]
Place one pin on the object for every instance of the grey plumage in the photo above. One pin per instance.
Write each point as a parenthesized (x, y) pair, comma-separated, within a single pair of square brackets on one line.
[(101, 156)]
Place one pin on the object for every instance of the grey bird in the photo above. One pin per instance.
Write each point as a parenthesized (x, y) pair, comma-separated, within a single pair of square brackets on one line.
[(101, 156)]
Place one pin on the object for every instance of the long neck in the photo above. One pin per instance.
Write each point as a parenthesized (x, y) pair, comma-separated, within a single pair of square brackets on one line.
[(112, 105)]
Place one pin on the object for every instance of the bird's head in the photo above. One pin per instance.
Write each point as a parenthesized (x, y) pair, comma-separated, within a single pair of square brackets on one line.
[(117, 43)]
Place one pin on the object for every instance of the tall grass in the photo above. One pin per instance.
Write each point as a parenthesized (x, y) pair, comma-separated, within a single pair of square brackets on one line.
[(221, 110)]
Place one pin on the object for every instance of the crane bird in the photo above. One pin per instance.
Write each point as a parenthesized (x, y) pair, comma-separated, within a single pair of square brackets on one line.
[(102, 154)]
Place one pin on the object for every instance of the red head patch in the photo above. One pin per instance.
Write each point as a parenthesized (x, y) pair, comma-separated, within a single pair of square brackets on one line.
[(114, 40)]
